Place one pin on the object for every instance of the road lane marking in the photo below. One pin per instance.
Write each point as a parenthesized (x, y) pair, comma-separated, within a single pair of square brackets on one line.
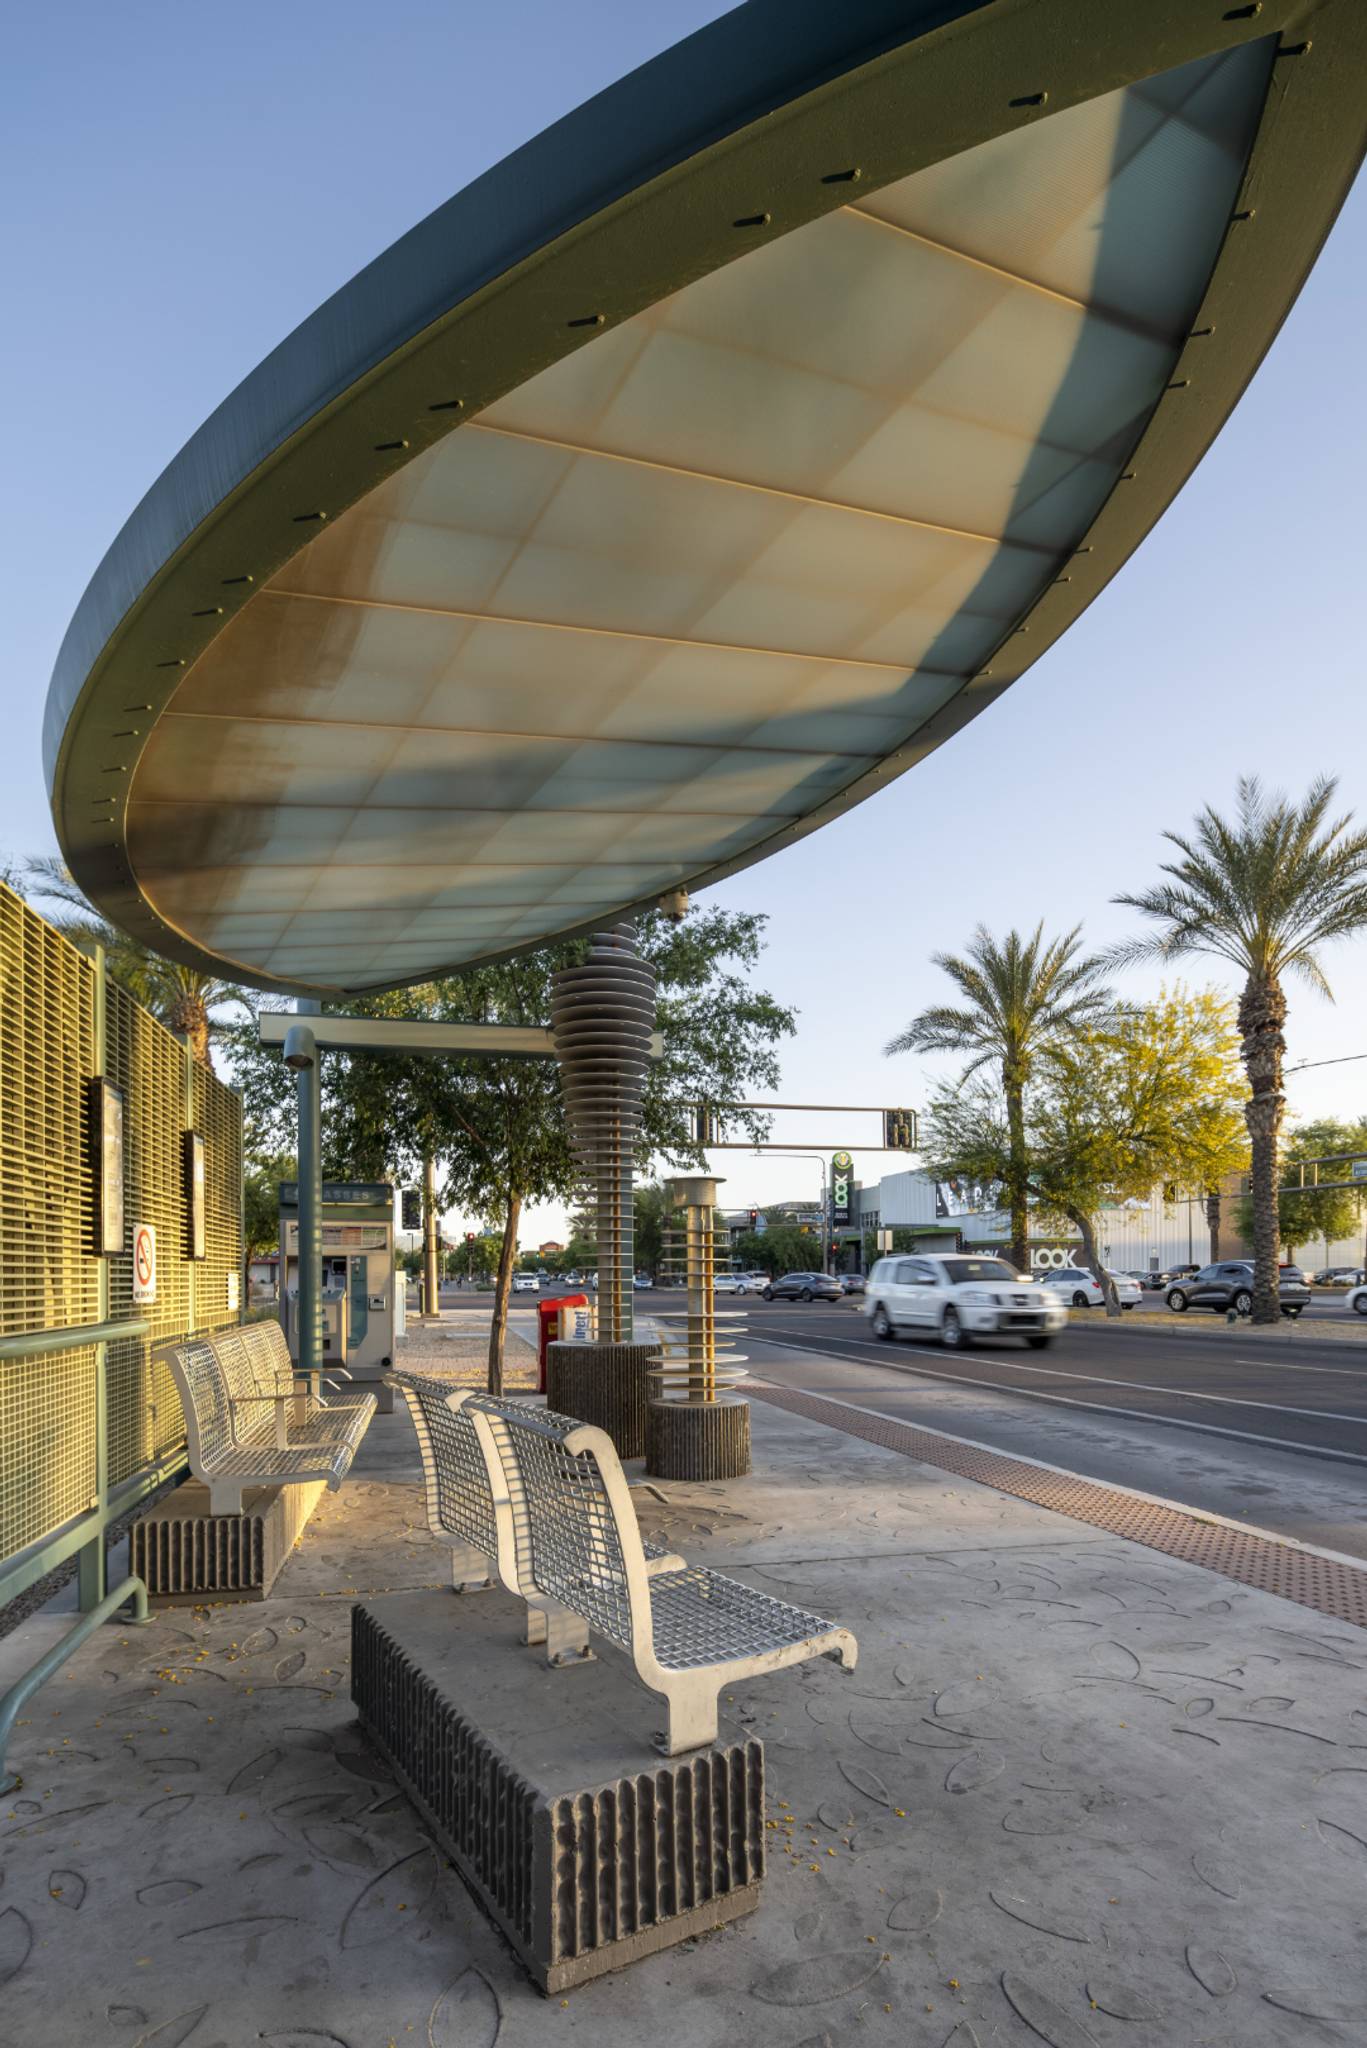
[(1147, 1387), (1248, 1436)]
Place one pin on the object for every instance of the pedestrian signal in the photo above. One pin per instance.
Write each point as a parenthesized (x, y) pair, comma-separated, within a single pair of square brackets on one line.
[(412, 1209)]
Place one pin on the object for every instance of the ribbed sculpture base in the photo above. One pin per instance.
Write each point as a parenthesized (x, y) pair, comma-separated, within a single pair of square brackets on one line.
[(586, 1847), (182, 1553), (604, 1384), (698, 1439)]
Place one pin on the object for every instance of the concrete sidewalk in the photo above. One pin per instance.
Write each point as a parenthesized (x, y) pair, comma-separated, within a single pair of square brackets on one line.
[(1076, 1791)]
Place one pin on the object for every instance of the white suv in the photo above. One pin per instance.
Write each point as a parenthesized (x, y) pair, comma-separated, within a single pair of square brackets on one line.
[(960, 1296)]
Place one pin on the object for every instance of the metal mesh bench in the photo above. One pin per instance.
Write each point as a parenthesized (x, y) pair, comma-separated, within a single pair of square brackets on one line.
[(461, 1510), (228, 1451), (257, 1357), (568, 1533)]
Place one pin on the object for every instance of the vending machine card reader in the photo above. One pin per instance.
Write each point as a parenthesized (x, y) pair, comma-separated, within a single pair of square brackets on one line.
[(358, 1275)]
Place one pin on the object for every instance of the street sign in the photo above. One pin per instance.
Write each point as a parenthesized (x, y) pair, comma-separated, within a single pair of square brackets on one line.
[(144, 1262), (842, 1169)]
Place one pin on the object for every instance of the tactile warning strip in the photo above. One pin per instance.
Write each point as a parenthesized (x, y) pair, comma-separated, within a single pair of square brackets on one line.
[(1330, 1588)]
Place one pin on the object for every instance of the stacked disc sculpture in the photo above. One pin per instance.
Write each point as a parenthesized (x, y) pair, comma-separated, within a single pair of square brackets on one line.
[(696, 1426), (602, 1017)]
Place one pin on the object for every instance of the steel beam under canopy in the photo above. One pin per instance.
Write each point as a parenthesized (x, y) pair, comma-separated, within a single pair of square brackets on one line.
[(422, 1036), (696, 471)]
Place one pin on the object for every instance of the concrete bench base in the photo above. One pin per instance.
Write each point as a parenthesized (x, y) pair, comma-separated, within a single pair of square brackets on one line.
[(185, 1555), (586, 1847)]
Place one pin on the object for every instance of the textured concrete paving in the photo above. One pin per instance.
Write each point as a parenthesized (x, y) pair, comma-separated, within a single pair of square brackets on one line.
[(1074, 1792)]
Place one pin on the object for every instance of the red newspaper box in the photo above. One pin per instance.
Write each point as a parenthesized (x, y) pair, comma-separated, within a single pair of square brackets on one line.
[(548, 1311)]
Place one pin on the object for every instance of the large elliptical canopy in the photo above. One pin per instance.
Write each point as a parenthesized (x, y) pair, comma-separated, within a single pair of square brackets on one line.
[(612, 530)]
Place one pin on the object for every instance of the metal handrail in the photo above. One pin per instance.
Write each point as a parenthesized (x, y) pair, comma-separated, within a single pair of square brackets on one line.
[(33, 1343), (33, 1680)]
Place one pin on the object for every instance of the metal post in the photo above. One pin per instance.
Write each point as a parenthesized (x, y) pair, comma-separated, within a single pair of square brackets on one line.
[(431, 1285), (301, 1053), (92, 1558), (825, 1220)]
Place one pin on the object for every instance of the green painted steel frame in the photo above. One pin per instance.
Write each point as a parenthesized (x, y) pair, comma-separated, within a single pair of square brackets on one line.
[(612, 209), (129, 1589)]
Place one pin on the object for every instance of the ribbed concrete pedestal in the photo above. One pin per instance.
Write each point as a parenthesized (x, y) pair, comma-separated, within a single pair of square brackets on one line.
[(698, 1439), (182, 1553), (604, 1384), (587, 1847)]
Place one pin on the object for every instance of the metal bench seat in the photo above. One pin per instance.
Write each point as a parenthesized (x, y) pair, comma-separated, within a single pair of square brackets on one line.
[(264, 1412), (568, 1534), (268, 1357), (460, 1504), (230, 1450)]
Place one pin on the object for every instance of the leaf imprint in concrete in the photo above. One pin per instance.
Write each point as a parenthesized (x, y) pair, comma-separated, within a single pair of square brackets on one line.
[(252, 1773), (942, 1738), (16, 1939), (286, 1668), (1120, 2000), (168, 1809), (1312, 2002), (246, 1927), (172, 2033), (1114, 1660), (125, 2016), (374, 1912), (958, 1700), (973, 1771), (1212, 1971), (864, 1780), (818, 1978), (1342, 1839), (67, 1887), (963, 2037), (338, 1844), (1218, 1872), (1196, 1710), (875, 1734), (467, 2015), (1039, 2012), (917, 1910), (1030, 1915), (169, 1892), (306, 2037), (260, 1639)]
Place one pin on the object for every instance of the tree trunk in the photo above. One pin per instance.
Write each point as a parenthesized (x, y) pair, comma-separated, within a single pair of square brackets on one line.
[(189, 1019), (1018, 1168), (1262, 1015), (1092, 1257), (507, 1259)]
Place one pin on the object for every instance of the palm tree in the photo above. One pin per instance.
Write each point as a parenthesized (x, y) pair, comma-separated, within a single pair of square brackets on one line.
[(1022, 998), (181, 997), (1263, 891)]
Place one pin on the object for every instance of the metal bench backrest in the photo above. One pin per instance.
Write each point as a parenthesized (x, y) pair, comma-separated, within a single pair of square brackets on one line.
[(253, 1418), (453, 1462), (268, 1355), (574, 1527), (204, 1397)]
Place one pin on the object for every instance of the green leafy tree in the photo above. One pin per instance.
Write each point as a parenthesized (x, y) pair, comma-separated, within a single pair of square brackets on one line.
[(1330, 1213), (1153, 1095), (1264, 891), (261, 1180), (497, 1127), (1023, 999), (781, 1247)]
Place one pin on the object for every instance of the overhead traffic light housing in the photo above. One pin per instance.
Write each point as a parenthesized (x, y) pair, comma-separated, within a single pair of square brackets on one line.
[(899, 1130), (411, 1208)]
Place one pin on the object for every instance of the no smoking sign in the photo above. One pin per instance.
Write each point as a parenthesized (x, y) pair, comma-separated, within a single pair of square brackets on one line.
[(144, 1262)]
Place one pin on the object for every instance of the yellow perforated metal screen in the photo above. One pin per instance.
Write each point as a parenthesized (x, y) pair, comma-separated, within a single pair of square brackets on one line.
[(49, 1274)]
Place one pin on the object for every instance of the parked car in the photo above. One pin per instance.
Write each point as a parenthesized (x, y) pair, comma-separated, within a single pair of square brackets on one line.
[(1150, 1281), (802, 1287), (526, 1283), (961, 1297), (1182, 1272), (1338, 1276), (1229, 1285), (852, 1283), (1081, 1289), (642, 1280)]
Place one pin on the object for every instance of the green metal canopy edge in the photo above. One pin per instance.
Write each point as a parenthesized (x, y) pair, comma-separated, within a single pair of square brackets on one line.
[(762, 118)]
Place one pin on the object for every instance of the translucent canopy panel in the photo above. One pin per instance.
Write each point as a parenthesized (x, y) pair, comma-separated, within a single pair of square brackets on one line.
[(689, 476), (703, 574)]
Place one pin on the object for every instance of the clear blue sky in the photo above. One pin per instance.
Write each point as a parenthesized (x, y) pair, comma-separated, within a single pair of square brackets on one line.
[(179, 187)]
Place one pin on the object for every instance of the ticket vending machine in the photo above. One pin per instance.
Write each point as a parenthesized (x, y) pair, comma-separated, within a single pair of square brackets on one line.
[(359, 1298)]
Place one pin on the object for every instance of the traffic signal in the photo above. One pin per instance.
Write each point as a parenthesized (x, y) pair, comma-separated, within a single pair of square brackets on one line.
[(705, 1130), (754, 1218), (412, 1209), (899, 1130), (470, 1237)]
